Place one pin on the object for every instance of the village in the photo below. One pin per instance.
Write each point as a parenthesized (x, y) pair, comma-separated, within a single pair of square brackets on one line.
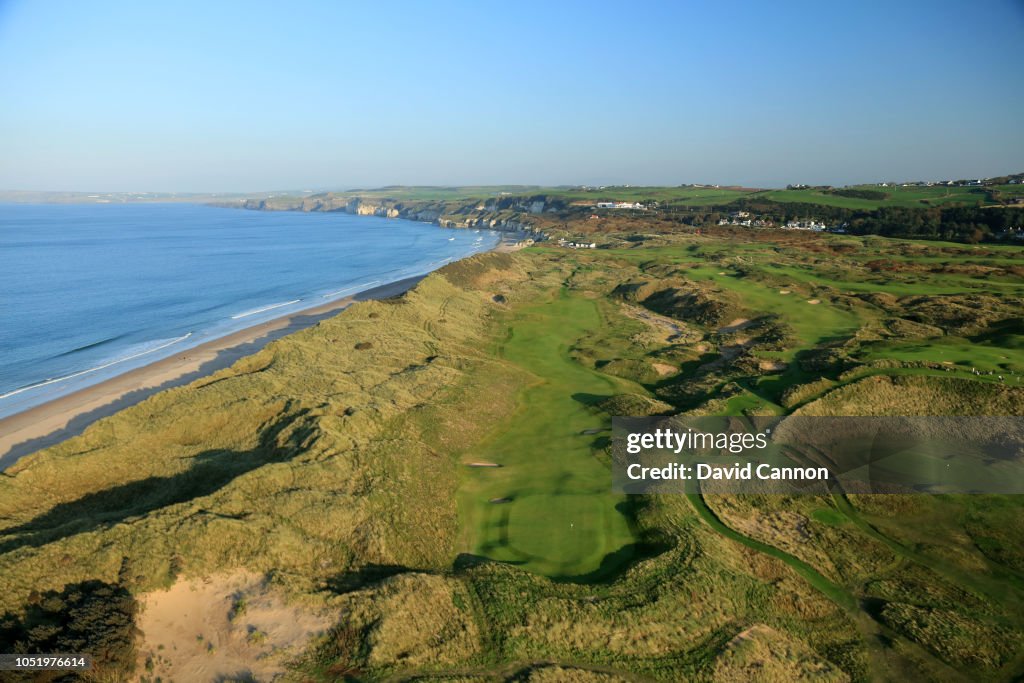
[(744, 218)]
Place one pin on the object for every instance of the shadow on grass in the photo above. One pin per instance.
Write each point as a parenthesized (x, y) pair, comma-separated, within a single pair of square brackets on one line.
[(91, 617), (613, 565), (616, 563), (210, 471), (368, 574), (590, 400)]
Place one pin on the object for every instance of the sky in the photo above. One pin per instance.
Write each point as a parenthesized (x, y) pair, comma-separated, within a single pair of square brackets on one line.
[(251, 96)]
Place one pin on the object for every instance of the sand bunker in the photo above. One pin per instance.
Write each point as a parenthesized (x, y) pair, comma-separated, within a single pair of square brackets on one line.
[(772, 365), (482, 464), (223, 627), (784, 291), (814, 301)]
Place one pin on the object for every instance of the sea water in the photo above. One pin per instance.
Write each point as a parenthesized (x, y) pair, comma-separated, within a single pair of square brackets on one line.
[(89, 291)]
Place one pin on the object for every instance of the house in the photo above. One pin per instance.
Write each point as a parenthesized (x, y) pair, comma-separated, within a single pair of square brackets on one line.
[(811, 225), (620, 205)]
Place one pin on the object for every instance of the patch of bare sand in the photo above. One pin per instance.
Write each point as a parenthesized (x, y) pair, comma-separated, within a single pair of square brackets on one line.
[(735, 326), (814, 301), (665, 369), (229, 626), (784, 291), (772, 365)]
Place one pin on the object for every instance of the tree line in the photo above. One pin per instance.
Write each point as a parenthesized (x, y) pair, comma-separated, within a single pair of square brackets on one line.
[(955, 223)]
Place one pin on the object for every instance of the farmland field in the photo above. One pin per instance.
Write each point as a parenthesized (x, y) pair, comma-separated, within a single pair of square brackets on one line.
[(897, 196)]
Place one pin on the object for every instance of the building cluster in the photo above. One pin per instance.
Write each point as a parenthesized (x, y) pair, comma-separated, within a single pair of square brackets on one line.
[(577, 245), (620, 205), (809, 224), (744, 218), (938, 183)]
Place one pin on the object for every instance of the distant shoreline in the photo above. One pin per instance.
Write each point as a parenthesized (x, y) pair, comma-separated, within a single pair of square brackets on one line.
[(62, 418)]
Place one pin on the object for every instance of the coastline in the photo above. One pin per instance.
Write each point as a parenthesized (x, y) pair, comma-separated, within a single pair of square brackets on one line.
[(68, 416), (62, 418)]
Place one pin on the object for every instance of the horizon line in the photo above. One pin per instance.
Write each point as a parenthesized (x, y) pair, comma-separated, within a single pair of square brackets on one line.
[(455, 186)]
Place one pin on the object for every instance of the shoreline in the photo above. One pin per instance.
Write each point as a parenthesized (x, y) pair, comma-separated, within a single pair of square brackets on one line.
[(50, 423), (64, 417)]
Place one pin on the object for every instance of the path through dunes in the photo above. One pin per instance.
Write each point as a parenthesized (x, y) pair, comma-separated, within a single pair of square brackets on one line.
[(557, 516)]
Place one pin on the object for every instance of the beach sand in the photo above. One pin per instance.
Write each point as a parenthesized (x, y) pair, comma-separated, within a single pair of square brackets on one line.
[(52, 422)]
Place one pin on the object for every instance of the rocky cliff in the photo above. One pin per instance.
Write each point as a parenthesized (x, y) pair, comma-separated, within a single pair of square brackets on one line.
[(509, 214)]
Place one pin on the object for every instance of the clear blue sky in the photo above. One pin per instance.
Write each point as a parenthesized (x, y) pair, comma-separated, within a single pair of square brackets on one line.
[(225, 96)]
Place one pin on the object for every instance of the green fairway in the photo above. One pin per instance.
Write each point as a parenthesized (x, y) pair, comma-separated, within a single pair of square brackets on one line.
[(812, 323), (958, 352), (558, 516)]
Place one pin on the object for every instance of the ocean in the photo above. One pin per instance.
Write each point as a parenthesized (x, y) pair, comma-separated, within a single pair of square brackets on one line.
[(89, 291)]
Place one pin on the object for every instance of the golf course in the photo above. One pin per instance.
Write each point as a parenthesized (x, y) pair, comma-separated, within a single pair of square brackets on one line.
[(548, 507), (435, 469)]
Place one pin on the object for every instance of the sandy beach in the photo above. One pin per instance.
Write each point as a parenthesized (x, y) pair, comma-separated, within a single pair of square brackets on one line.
[(52, 422)]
